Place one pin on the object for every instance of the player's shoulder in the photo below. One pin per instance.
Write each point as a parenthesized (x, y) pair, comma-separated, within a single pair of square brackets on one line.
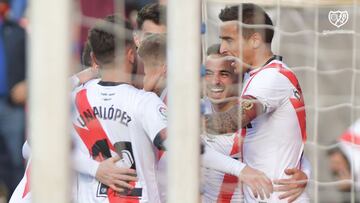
[(147, 103), (145, 96), (275, 67), (273, 74), (86, 85)]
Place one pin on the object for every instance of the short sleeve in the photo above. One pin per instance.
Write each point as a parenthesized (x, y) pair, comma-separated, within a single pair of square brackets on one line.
[(269, 87), (152, 114)]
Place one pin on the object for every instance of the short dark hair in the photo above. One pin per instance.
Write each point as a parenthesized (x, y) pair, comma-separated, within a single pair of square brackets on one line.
[(115, 18), (213, 49), (103, 41), (152, 49), (251, 15), (153, 12), (85, 56)]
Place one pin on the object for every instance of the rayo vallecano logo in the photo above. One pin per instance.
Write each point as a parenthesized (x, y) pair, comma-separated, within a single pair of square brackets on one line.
[(338, 18)]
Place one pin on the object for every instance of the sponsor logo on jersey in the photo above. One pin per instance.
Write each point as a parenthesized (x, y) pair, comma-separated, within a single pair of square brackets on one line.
[(162, 111)]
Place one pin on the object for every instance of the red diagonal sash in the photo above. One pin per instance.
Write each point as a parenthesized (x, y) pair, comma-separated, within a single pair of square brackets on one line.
[(92, 135)]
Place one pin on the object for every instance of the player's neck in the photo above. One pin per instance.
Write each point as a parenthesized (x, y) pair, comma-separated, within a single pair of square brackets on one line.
[(110, 74), (262, 55), (160, 88)]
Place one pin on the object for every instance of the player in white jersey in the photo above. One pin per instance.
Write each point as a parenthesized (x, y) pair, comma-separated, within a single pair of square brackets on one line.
[(105, 171), (221, 82), (152, 52), (149, 21), (272, 106), (128, 118), (275, 139), (149, 175), (112, 112), (222, 93)]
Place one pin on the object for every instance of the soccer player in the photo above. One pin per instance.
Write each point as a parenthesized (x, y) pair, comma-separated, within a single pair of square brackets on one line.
[(114, 117), (152, 51), (150, 19), (271, 104), (106, 171), (221, 87), (222, 94)]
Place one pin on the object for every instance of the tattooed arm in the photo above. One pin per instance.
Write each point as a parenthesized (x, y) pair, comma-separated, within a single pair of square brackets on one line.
[(229, 121)]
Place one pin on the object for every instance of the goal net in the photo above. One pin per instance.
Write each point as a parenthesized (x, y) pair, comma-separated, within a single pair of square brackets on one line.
[(323, 51)]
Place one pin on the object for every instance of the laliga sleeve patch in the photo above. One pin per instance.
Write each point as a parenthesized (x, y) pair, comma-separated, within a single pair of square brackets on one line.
[(162, 110)]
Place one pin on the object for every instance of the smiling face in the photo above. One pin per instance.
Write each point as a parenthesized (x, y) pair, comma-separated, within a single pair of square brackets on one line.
[(221, 80)]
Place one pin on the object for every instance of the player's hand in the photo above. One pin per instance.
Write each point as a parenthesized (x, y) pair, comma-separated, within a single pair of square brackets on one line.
[(113, 176), (236, 63), (87, 74), (293, 187), (258, 182)]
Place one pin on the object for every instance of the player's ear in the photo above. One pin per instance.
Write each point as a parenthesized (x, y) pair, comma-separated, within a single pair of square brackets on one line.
[(164, 69), (136, 37), (255, 40), (130, 54)]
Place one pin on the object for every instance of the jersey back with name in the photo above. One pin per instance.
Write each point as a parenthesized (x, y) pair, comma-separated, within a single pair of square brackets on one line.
[(117, 119)]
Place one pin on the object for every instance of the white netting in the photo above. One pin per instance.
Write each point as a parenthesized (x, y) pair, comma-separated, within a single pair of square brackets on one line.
[(325, 59)]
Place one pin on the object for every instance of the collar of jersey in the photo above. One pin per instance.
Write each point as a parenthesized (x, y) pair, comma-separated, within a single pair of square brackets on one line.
[(110, 83), (274, 57)]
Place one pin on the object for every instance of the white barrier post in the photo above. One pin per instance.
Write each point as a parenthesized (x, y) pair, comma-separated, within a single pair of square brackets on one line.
[(49, 54), (183, 22)]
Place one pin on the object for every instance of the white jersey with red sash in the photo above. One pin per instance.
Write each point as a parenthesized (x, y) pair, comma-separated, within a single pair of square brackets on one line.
[(113, 118), (218, 186), (350, 144), (274, 140), (162, 161)]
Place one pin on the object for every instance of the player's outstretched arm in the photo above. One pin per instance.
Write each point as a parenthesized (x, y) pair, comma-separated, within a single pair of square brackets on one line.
[(84, 76), (106, 172), (293, 187), (259, 183), (229, 121)]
